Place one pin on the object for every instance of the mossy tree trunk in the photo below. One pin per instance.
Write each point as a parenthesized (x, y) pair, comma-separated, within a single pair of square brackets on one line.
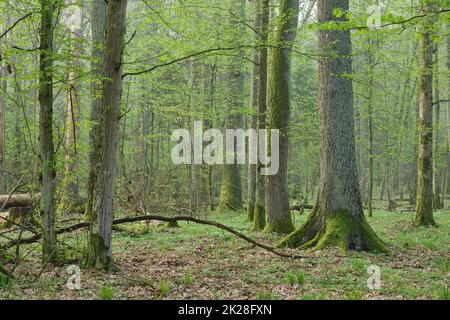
[(251, 177), (100, 236), (277, 194), (98, 29), (231, 188), (259, 215), (338, 219), (47, 150), (424, 205)]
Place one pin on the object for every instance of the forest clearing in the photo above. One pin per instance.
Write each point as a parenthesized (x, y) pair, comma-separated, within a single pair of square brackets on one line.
[(224, 150)]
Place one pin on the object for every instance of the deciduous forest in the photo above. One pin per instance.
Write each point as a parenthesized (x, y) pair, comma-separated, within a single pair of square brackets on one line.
[(233, 149)]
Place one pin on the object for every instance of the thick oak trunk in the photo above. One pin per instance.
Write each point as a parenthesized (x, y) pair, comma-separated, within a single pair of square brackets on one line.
[(338, 219)]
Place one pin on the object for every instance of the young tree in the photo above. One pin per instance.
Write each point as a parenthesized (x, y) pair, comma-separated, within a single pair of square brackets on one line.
[(424, 206), (259, 214), (277, 194), (98, 29), (100, 237), (338, 219), (47, 150)]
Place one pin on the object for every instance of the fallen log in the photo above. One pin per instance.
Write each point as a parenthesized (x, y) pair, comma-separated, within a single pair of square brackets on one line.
[(17, 200), (84, 225)]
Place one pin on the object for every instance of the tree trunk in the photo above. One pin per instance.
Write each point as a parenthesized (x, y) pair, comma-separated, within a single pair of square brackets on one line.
[(251, 177), (370, 116), (424, 205), (338, 219), (259, 214), (231, 189), (98, 25), (73, 110), (277, 193), (447, 182), (2, 124), (47, 158), (100, 238), (437, 203)]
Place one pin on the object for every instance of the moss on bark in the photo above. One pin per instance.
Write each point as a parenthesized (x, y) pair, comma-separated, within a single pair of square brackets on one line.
[(304, 234), (284, 226), (95, 256), (250, 211), (259, 217), (231, 191), (339, 230)]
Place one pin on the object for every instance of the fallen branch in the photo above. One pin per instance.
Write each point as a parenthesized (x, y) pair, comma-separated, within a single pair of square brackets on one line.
[(83, 225)]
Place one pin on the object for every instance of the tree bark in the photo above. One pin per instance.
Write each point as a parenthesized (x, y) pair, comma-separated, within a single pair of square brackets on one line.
[(370, 118), (73, 110), (447, 182), (231, 188), (100, 237), (277, 193), (47, 158), (437, 202), (338, 219), (98, 25), (251, 177), (259, 214), (424, 211)]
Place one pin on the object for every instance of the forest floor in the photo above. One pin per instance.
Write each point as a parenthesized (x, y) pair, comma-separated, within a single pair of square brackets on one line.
[(203, 262)]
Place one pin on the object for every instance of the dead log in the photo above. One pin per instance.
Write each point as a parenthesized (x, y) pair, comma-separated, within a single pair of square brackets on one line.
[(17, 200)]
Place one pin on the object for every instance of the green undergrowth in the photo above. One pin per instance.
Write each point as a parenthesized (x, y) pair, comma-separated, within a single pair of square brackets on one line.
[(203, 262)]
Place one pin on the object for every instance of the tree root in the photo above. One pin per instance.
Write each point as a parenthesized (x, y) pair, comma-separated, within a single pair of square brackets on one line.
[(339, 230)]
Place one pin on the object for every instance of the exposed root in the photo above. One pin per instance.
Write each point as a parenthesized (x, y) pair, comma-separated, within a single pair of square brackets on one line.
[(340, 230)]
